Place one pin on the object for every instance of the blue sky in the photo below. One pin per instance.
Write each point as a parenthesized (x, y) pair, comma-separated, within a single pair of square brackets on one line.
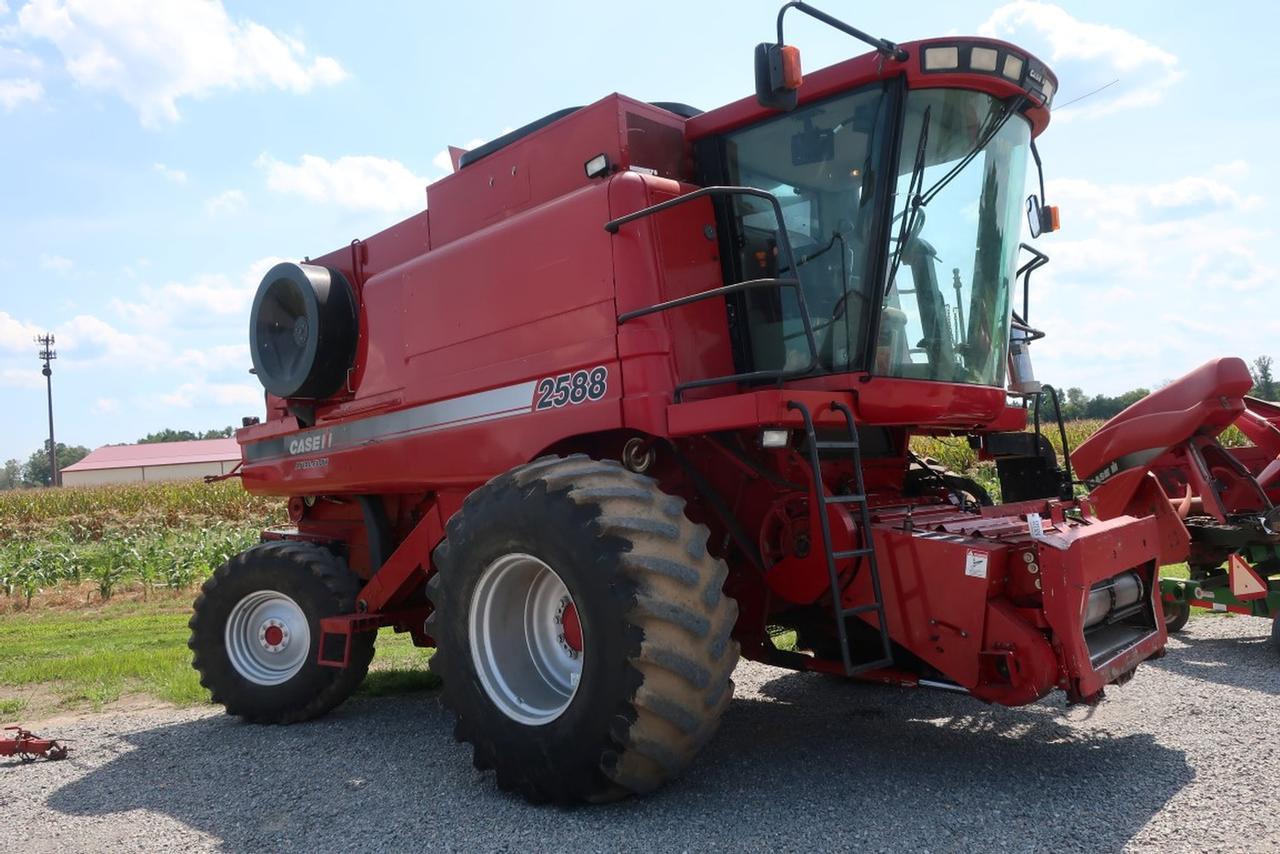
[(156, 157)]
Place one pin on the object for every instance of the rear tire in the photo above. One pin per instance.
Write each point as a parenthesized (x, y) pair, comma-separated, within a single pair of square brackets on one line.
[(652, 627), (255, 633), (1275, 633), (1176, 614)]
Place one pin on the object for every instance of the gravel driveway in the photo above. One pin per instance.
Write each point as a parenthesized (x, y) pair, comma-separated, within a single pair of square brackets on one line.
[(1180, 759)]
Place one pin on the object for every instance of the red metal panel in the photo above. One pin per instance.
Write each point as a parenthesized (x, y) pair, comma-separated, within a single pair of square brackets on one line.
[(934, 608), (1204, 401), (543, 165)]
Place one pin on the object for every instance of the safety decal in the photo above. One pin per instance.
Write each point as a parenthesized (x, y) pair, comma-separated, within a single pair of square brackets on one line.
[(975, 563)]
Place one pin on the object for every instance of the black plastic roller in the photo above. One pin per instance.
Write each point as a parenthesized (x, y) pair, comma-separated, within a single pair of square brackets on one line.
[(303, 330)]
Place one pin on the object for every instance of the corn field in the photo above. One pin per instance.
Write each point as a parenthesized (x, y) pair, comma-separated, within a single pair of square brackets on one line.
[(955, 453), (173, 535), (136, 536)]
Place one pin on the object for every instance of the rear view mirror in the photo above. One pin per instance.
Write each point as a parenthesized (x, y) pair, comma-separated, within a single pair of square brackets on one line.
[(1033, 215), (812, 145), (1041, 219), (777, 76)]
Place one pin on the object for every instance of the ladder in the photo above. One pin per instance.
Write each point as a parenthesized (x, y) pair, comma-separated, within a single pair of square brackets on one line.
[(822, 501)]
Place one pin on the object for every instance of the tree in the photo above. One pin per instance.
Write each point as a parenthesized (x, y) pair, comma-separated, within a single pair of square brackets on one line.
[(36, 471), (1264, 383), (1074, 403), (170, 435), (11, 475)]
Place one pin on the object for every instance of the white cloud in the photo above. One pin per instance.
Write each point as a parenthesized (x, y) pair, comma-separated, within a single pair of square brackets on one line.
[(1087, 55), (225, 203), (1192, 195), (1149, 281), (195, 304), (154, 54), (86, 338), (360, 182), (4, 8), (56, 264), (17, 335), (188, 395), (22, 378), (19, 90), (222, 357), (13, 59), (106, 406), (175, 176)]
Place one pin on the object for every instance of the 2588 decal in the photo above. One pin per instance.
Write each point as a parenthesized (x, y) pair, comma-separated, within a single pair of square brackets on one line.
[(571, 389)]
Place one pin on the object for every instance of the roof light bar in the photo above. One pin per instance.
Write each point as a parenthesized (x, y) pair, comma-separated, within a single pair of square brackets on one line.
[(987, 58), (983, 58), (941, 58)]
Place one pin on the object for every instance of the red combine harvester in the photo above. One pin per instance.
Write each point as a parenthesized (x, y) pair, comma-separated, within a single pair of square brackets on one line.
[(636, 391), (1161, 457)]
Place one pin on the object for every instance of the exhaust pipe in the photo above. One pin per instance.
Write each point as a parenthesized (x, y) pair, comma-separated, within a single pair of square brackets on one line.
[(1022, 377)]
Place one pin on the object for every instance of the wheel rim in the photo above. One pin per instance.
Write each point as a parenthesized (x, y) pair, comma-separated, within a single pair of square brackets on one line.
[(1172, 611), (526, 639), (267, 638)]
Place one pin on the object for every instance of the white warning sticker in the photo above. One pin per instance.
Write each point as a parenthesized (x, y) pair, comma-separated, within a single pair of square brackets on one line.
[(975, 564)]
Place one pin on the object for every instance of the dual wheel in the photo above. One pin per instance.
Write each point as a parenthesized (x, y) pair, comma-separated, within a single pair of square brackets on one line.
[(582, 633)]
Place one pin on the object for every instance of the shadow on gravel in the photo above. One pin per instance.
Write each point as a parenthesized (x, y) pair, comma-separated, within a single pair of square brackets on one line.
[(1249, 662), (818, 765)]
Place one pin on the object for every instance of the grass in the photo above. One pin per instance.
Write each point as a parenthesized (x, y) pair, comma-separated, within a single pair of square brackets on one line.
[(61, 660)]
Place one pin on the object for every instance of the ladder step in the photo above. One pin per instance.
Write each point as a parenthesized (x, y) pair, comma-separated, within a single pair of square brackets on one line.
[(841, 615), (859, 609), (869, 665)]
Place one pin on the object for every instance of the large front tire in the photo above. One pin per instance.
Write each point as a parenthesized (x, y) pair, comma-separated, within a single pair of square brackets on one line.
[(255, 633), (618, 667)]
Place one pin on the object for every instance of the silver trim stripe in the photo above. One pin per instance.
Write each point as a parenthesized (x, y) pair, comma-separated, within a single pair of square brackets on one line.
[(442, 415)]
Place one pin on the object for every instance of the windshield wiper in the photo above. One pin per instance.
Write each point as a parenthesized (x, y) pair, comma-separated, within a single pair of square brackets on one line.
[(914, 199), (918, 198), (984, 139)]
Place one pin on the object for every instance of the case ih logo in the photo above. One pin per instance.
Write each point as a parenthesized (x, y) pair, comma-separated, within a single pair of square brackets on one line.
[(314, 442)]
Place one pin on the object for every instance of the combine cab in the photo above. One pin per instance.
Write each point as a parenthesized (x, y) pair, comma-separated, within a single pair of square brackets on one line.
[(637, 391)]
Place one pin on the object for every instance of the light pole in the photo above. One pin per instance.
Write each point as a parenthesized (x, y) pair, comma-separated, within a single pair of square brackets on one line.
[(47, 354)]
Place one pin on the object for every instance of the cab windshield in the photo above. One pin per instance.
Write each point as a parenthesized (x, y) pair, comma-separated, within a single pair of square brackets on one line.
[(946, 311), (945, 314)]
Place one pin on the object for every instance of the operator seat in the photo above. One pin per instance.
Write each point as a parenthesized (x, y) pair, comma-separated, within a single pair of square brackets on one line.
[(1204, 401)]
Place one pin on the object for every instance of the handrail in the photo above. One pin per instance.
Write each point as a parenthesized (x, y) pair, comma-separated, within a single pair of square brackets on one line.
[(1038, 260), (701, 295), (784, 243)]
